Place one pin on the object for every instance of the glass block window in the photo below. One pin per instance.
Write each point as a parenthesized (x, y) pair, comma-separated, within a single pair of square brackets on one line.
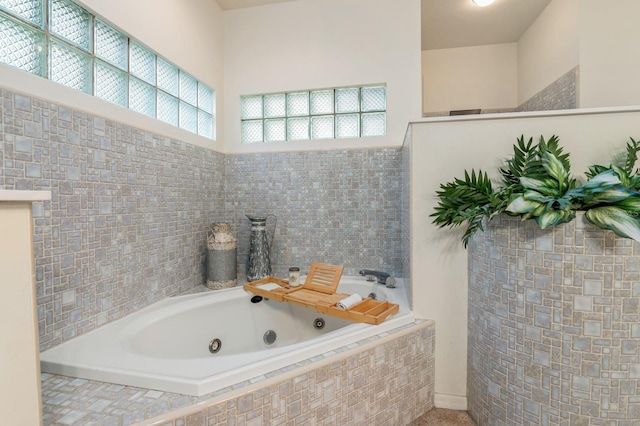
[(71, 22), (22, 46), (168, 77), (31, 11), (110, 84), (62, 41), (70, 66), (142, 97), (349, 112), (167, 108), (111, 45), (142, 63), (188, 89)]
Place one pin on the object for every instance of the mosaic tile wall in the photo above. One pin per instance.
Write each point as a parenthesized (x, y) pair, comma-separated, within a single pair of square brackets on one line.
[(561, 94), (337, 207), (127, 222), (126, 225), (554, 334)]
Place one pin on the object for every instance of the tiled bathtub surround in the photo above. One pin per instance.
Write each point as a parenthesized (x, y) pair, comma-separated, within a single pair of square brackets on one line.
[(553, 326), (128, 213), (127, 222), (337, 207), (386, 379)]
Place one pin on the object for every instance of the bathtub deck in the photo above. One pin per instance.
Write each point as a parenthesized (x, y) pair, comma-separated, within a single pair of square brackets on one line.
[(69, 401)]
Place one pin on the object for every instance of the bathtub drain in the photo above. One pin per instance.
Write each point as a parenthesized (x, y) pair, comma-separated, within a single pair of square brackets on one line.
[(215, 345), (318, 323), (269, 337)]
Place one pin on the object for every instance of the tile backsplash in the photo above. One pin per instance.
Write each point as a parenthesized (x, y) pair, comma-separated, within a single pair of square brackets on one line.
[(127, 222), (337, 207)]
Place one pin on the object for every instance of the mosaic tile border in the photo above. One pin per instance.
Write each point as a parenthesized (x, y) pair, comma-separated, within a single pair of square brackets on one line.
[(390, 374), (553, 325)]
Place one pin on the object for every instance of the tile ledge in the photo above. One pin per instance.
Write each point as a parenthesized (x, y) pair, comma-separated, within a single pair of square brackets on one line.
[(11, 195)]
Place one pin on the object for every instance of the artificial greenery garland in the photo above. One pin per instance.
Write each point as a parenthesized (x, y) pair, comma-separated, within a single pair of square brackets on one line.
[(537, 184)]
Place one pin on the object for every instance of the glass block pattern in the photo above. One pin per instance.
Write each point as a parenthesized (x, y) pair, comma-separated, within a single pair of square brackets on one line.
[(251, 107), (374, 98), (142, 62), (347, 100), (297, 104), (167, 77), (298, 128), (322, 127), (205, 124), (29, 10), (374, 124), (252, 131), (322, 102), (205, 98), (111, 45), (142, 97), (110, 84), (347, 126), (167, 109), (78, 50), (275, 130), (275, 105), (188, 117), (71, 22), (22, 47), (70, 66), (188, 89), (348, 112)]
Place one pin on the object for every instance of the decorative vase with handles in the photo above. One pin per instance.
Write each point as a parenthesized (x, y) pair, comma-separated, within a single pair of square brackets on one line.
[(259, 264)]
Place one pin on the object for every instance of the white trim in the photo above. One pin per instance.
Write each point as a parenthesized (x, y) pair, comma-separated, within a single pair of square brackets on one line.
[(17, 195), (451, 402), (529, 114)]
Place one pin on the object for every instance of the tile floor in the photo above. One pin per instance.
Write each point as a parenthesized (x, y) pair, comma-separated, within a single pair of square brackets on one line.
[(442, 417)]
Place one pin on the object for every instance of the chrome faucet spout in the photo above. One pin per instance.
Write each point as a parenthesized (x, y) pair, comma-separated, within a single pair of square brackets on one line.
[(382, 277)]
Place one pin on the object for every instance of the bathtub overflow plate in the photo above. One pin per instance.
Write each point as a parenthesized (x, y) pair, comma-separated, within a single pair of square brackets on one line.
[(269, 337), (215, 345)]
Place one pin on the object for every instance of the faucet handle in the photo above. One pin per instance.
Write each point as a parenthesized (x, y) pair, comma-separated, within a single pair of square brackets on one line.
[(390, 282)]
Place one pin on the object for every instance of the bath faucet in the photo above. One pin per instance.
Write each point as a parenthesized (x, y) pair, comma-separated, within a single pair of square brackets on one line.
[(382, 277)]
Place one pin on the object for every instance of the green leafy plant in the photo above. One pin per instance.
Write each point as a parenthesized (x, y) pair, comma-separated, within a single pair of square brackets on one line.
[(537, 184)]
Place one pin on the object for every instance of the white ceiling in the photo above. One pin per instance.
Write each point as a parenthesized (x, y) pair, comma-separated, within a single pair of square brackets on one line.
[(460, 23), (457, 23)]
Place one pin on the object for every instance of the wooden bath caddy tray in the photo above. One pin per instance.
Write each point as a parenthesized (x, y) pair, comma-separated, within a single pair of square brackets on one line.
[(319, 293)]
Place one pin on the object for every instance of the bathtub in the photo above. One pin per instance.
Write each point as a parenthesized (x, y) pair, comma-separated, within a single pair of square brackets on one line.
[(199, 343)]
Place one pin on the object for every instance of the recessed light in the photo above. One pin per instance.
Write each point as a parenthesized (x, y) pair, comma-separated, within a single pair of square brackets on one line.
[(483, 3)]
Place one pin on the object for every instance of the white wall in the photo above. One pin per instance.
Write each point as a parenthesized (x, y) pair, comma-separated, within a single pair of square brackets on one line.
[(309, 44), (187, 32), (609, 53), (483, 77), (549, 48), (20, 401), (443, 148)]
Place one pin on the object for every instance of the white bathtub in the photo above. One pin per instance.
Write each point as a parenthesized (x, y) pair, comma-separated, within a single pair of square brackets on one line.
[(166, 345)]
